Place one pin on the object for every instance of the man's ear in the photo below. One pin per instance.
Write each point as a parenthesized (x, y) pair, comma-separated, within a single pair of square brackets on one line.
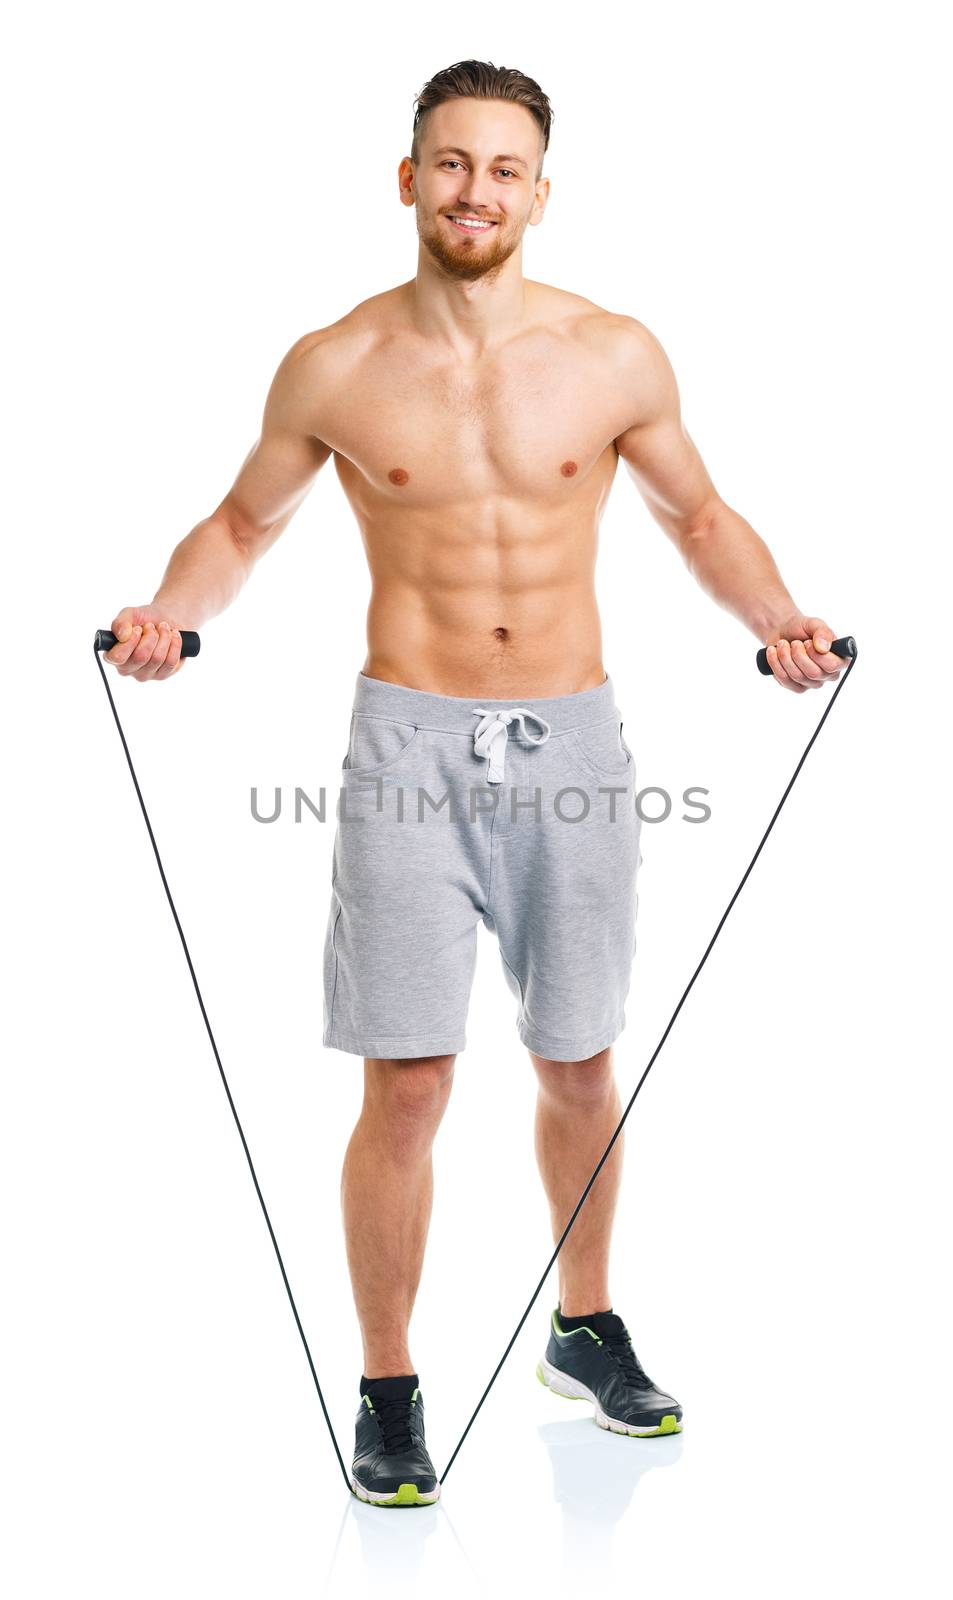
[(405, 180), (542, 195)]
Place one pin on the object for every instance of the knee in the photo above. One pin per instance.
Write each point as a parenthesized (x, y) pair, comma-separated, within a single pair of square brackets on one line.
[(410, 1095), (577, 1086)]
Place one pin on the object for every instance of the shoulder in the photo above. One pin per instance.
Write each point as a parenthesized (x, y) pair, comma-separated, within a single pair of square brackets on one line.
[(639, 365), (623, 342), (353, 334), (324, 358), (339, 343), (628, 346)]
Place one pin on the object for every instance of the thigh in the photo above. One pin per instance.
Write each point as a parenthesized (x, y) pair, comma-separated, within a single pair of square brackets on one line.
[(565, 900), (400, 946)]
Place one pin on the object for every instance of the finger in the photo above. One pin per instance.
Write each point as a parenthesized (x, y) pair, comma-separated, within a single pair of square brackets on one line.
[(819, 646), (173, 655), (821, 635), (142, 654), (811, 673), (829, 664), (161, 639), (789, 665), (778, 670), (121, 628), (122, 650)]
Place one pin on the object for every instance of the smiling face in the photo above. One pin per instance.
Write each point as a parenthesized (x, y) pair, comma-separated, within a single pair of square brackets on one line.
[(474, 187)]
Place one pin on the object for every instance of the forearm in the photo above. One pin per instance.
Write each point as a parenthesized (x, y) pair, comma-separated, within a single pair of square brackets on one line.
[(734, 565), (206, 571)]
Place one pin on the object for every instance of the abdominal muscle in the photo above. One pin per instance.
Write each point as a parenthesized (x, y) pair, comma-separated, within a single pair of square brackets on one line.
[(483, 611)]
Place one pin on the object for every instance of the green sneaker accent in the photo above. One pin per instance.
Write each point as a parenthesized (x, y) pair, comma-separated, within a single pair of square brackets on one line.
[(567, 1333), (667, 1425), (406, 1495)]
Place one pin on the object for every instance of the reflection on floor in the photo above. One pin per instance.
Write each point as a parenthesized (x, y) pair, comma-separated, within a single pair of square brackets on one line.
[(595, 1474)]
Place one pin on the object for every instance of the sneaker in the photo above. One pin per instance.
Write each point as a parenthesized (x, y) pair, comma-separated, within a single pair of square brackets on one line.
[(391, 1466), (597, 1362)]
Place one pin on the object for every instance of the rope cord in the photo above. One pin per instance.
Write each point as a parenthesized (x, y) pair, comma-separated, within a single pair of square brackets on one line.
[(603, 1158), (228, 1092), (668, 1028)]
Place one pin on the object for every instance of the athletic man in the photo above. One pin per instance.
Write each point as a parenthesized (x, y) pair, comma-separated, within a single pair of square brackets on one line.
[(476, 419)]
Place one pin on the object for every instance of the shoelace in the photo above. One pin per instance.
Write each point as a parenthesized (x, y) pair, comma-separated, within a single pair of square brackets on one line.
[(394, 1419), (619, 1346)]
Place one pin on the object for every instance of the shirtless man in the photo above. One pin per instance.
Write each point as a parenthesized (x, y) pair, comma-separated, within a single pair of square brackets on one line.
[(476, 419)]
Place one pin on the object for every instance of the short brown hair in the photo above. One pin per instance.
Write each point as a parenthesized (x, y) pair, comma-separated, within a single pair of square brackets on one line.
[(481, 80)]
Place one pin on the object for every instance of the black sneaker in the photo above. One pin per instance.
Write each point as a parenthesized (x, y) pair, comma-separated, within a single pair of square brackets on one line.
[(391, 1466), (597, 1362)]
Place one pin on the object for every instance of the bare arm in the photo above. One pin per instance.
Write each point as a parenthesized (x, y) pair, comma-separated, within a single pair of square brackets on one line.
[(209, 567), (721, 550)]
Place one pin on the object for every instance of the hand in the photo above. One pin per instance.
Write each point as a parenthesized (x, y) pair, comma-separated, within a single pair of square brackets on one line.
[(799, 654), (148, 645)]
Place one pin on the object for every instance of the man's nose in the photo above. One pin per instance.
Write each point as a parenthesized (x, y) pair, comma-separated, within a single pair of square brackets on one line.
[(475, 193)]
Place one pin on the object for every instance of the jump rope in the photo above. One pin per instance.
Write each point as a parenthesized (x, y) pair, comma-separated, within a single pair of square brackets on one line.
[(846, 648)]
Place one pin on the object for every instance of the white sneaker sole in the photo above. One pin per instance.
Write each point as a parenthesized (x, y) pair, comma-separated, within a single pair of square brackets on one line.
[(407, 1495), (572, 1389)]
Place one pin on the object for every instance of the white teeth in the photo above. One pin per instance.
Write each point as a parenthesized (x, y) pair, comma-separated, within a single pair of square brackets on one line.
[(468, 223)]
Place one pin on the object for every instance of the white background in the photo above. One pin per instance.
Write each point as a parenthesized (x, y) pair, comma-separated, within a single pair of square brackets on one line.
[(190, 188)]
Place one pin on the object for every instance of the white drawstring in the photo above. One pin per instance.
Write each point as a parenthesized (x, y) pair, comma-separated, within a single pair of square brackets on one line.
[(491, 736)]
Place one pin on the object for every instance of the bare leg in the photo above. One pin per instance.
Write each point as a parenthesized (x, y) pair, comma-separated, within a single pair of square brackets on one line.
[(577, 1112), (386, 1200)]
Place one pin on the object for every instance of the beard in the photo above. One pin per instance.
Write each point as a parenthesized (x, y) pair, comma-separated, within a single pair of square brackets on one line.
[(467, 259)]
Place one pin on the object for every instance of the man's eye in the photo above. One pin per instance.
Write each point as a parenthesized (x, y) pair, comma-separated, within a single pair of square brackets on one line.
[(450, 162)]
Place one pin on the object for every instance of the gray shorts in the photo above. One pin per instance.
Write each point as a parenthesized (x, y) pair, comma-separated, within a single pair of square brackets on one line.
[(516, 813)]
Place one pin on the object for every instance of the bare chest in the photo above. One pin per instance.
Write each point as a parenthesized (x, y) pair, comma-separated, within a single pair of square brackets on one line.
[(536, 429)]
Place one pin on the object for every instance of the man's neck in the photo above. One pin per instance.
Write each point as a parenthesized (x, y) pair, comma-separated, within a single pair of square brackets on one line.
[(469, 315)]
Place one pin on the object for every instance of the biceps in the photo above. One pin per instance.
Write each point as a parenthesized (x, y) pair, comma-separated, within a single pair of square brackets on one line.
[(282, 464), (668, 471), (274, 479)]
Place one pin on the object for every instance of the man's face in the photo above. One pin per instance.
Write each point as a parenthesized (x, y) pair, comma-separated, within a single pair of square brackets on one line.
[(478, 161)]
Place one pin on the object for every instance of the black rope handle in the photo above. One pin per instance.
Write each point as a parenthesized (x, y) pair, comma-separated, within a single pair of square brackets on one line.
[(846, 648), (191, 643)]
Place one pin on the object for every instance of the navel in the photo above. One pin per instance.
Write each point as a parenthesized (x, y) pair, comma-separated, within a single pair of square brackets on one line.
[(399, 476), (501, 633), (569, 469)]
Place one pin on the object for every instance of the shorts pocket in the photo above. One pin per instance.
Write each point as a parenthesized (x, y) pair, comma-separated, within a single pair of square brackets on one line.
[(602, 747), (376, 743)]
